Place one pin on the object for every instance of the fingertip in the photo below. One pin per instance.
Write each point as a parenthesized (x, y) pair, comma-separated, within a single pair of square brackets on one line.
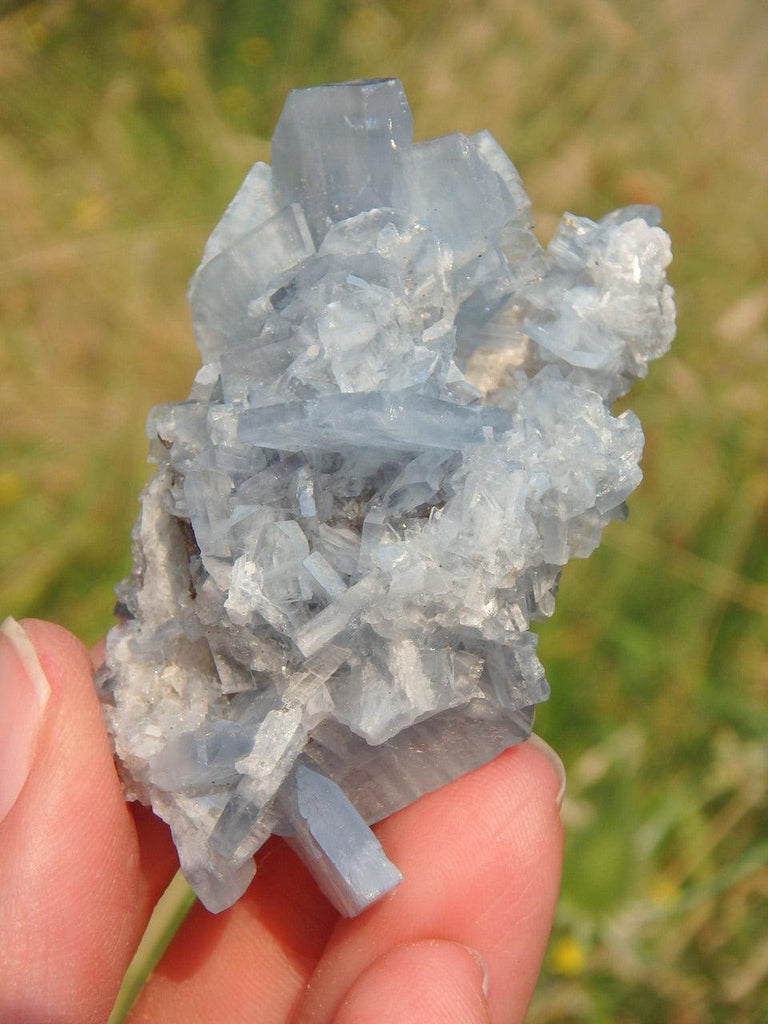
[(553, 764), (43, 632), (24, 695), (71, 894), (431, 980), (44, 671), (481, 861), (59, 652)]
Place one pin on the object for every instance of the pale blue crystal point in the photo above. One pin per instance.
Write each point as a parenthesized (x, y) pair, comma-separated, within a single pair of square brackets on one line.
[(335, 148), (335, 843)]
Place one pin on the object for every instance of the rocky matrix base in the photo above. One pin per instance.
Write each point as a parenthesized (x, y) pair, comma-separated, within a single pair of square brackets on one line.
[(400, 433)]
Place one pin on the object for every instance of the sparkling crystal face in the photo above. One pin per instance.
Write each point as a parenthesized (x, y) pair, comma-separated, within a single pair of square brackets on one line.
[(400, 433)]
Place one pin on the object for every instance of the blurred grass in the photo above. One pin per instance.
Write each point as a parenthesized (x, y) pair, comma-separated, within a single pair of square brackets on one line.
[(124, 130)]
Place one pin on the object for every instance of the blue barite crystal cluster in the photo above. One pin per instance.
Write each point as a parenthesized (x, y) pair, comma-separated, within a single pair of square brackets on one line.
[(400, 433)]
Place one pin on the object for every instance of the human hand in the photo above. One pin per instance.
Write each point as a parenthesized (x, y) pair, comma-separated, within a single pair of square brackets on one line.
[(81, 871)]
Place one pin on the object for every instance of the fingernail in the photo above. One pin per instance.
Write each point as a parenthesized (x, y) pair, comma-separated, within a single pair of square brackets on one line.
[(24, 692), (481, 963), (554, 758)]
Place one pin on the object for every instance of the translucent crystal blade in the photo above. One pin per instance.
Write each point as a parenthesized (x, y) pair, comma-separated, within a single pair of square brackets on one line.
[(379, 780), (334, 148), (392, 420), (223, 288)]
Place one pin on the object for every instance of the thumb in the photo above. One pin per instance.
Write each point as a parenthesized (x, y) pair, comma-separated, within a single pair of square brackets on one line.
[(68, 849), (24, 694)]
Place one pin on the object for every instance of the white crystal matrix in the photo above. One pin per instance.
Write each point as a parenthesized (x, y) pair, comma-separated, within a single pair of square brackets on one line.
[(400, 433)]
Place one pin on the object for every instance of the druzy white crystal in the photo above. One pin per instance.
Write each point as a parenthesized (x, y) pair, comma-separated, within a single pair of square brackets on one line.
[(400, 433)]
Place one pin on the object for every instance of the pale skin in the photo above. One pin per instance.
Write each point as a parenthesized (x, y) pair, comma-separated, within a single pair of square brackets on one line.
[(81, 871)]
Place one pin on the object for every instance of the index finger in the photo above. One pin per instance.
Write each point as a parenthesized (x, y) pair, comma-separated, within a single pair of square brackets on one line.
[(481, 862)]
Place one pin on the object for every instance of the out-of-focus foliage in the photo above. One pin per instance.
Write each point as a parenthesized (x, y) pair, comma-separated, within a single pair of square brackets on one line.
[(125, 128)]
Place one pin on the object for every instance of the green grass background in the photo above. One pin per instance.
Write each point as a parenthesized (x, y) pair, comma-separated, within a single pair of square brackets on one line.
[(124, 130)]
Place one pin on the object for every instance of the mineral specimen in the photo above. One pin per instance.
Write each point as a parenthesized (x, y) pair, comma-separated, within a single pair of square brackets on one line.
[(400, 433)]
